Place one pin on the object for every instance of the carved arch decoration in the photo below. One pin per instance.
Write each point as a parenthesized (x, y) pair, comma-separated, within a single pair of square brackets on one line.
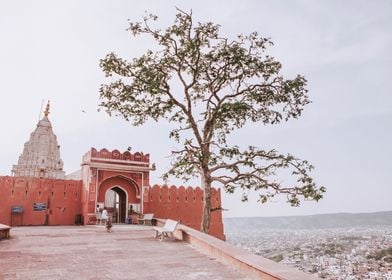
[(128, 185)]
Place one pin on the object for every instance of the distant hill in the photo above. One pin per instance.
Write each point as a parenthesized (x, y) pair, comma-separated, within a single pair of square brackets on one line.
[(309, 222)]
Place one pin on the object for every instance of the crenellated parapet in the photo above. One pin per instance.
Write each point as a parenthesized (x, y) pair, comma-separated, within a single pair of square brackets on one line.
[(184, 204), (116, 161), (117, 155), (182, 194)]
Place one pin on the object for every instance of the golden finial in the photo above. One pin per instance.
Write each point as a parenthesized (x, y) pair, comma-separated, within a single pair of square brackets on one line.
[(46, 112)]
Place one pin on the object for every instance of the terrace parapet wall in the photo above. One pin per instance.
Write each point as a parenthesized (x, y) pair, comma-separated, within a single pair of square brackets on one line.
[(184, 204)]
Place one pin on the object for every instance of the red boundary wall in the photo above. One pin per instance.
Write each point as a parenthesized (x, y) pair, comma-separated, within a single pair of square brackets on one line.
[(184, 204), (62, 199)]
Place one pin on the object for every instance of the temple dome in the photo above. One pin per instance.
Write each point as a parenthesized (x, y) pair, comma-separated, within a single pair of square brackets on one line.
[(41, 154)]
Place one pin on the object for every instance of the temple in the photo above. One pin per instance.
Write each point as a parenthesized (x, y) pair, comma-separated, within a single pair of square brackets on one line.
[(41, 154), (39, 193)]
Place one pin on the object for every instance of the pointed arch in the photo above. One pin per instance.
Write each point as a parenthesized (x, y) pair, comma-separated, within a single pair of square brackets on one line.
[(127, 184)]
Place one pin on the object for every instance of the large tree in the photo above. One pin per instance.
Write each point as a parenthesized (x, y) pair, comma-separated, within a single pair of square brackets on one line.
[(209, 86)]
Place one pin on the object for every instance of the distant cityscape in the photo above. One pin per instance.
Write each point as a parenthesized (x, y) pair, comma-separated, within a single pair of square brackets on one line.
[(330, 252)]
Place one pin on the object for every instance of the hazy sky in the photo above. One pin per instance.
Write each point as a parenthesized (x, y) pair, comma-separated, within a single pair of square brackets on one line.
[(51, 50)]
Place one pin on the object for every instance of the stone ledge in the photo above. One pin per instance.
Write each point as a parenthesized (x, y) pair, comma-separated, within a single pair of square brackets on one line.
[(241, 259), (4, 231)]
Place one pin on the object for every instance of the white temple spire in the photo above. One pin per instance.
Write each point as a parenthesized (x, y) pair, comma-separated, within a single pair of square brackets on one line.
[(41, 154)]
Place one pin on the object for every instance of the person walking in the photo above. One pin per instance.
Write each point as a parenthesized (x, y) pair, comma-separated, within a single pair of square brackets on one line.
[(109, 225)]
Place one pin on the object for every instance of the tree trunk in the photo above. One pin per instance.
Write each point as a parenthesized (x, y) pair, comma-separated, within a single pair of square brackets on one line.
[(206, 217)]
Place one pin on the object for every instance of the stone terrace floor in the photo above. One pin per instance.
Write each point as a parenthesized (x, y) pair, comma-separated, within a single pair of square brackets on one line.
[(89, 252)]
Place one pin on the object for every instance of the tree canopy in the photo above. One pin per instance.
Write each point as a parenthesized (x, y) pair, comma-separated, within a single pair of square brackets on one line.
[(209, 86)]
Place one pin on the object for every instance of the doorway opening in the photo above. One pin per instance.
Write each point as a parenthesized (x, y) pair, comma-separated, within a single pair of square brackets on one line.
[(116, 204)]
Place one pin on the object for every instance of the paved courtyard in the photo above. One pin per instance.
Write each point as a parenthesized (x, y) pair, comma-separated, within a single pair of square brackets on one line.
[(89, 252)]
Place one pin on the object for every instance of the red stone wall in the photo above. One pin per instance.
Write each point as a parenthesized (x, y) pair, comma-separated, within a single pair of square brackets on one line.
[(65, 199), (184, 204), (62, 198)]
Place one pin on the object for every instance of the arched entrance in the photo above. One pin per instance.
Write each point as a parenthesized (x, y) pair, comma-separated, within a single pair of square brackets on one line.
[(116, 204), (117, 193)]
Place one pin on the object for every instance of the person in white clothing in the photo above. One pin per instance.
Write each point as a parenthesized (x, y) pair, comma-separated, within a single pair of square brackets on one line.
[(104, 216)]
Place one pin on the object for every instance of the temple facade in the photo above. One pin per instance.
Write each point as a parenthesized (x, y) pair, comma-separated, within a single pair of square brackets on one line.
[(39, 193)]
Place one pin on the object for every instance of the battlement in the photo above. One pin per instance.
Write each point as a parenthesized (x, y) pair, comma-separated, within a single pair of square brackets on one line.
[(184, 204), (181, 194), (105, 154), (115, 160)]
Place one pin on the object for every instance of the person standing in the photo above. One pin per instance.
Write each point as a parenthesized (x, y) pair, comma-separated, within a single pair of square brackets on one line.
[(97, 216), (104, 216)]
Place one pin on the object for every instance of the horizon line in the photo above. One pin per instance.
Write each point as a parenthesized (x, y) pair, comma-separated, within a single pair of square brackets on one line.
[(308, 215)]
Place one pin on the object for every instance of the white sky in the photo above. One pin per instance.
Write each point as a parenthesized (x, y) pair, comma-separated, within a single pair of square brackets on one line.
[(51, 50)]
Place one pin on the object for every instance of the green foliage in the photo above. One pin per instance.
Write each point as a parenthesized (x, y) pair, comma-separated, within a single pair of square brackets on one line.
[(210, 86), (385, 254), (277, 258)]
